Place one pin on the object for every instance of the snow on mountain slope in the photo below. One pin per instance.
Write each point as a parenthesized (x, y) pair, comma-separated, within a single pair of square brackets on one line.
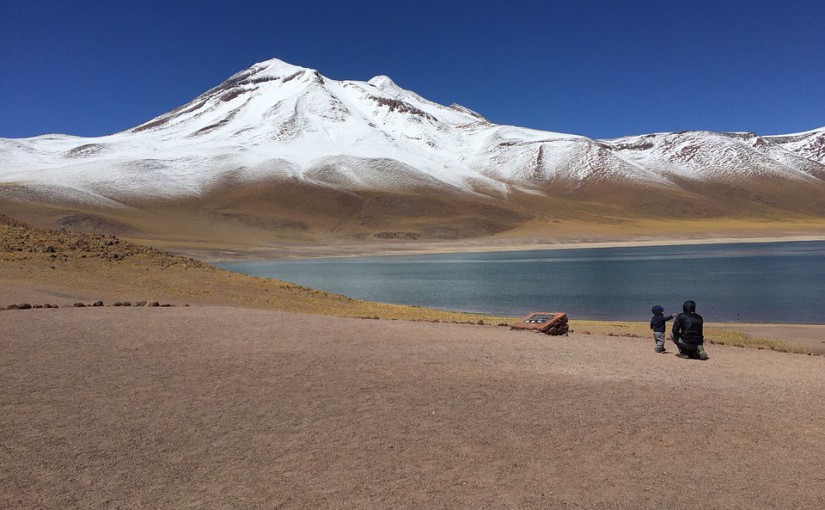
[(717, 156), (277, 120), (809, 145)]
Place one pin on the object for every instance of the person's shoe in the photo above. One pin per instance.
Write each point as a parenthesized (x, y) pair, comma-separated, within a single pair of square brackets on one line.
[(682, 355), (701, 352), (660, 351)]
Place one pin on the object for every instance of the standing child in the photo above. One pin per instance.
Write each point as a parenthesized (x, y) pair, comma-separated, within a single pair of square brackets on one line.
[(657, 324)]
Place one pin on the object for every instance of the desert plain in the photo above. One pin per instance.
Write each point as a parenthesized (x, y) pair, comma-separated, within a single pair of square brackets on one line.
[(253, 393)]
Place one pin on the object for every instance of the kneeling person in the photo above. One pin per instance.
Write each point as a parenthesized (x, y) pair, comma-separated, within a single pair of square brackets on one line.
[(687, 333)]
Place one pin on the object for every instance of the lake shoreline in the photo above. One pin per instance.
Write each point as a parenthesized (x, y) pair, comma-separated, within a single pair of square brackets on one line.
[(732, 282), (347, 251), (86, 275)]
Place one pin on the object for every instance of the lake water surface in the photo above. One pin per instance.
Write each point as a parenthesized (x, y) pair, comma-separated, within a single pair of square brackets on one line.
[(750, 282)]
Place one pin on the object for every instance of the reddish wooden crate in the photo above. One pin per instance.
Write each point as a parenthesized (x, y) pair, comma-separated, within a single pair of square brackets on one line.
[(551, 323)]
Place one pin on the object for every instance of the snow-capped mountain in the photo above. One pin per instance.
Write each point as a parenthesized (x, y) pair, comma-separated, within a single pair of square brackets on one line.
[(278, 123)]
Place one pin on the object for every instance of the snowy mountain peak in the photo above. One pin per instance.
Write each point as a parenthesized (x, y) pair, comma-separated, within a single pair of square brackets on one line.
[(384, 83), (275, 120), (273, 68)]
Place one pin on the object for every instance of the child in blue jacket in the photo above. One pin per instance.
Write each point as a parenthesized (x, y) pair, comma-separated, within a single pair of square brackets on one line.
[(657, 324)]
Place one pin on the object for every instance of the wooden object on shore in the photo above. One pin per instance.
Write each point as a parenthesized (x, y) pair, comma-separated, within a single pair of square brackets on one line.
[(551, 323)]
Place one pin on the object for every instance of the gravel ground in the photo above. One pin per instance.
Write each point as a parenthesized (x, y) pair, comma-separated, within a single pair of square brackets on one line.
[(213, 407)]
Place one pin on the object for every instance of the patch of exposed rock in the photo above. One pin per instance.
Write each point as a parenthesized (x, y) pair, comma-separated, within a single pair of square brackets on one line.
[(18, 240)]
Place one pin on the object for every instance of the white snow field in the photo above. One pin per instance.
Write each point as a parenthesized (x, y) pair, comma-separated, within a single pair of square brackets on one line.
[(276, 120)]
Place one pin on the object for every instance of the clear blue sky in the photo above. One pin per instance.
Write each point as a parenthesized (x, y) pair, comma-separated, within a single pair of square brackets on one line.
[(595, 68)]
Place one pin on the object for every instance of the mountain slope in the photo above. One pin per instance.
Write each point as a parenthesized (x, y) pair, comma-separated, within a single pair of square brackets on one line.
[(284, 151)]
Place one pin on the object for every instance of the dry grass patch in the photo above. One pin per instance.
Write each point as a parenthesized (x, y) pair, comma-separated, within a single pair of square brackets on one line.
[(713, 335), (739, 339)]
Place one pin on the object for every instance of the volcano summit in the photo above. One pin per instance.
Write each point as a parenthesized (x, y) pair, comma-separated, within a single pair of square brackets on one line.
[(281, 152)]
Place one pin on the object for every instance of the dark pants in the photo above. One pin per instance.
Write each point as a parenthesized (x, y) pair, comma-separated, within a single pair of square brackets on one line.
[(685, 348)]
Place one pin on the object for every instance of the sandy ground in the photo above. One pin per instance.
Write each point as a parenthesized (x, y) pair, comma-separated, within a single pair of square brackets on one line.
[(234, 408)]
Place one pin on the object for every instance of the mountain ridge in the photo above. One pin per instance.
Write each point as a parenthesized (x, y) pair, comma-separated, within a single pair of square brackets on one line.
[(277, 129)]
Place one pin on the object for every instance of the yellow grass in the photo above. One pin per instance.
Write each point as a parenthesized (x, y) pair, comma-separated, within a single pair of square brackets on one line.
[(712, 335)]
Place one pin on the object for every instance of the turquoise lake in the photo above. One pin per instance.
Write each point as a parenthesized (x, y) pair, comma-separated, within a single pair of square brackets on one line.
[(749, 282)]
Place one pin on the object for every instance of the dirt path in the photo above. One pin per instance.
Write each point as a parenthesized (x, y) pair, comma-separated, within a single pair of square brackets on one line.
[(235, 408)]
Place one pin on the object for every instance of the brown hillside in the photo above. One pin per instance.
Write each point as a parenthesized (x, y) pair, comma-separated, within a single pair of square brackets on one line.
[(280, 219), (42, 266)]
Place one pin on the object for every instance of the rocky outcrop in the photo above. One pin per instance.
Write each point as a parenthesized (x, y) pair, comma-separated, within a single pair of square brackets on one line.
[(79, 304)]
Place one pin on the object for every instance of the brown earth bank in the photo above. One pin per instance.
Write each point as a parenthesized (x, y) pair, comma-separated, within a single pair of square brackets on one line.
[(274, 220), (236, 408), (44, 266)]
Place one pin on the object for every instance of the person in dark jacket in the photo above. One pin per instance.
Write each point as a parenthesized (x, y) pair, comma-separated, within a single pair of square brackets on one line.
[(657, 324), (687, 333)]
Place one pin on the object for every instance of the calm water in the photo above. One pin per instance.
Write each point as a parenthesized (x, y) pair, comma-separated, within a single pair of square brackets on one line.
[(774, 282)]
